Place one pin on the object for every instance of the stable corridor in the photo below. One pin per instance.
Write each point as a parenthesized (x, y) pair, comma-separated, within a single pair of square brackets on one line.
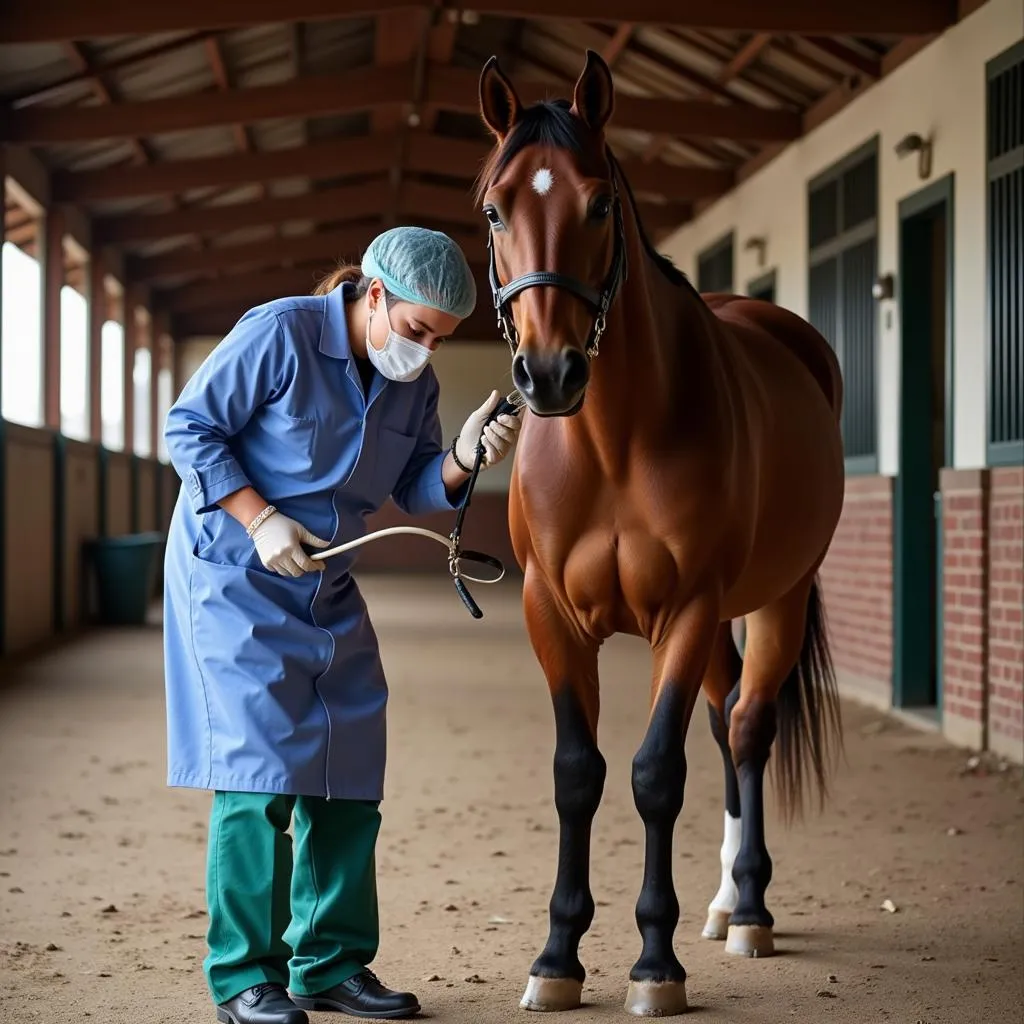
[(102, 866)]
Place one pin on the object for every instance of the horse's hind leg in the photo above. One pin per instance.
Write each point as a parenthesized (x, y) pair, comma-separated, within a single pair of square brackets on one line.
[(657, 982), (722, 687), (775, 636), (570, 664)]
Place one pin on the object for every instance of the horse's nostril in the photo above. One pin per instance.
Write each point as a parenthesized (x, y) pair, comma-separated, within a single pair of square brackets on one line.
[(521, 375), (575, 371)]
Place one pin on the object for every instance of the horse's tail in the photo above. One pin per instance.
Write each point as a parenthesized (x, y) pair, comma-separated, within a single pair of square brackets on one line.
[(810, 730)]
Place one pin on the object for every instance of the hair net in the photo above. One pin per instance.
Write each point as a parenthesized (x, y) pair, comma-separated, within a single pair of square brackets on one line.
[(422, 266)]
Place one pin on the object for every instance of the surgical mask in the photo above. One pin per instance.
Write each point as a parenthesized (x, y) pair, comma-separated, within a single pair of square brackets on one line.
[(400, 359)]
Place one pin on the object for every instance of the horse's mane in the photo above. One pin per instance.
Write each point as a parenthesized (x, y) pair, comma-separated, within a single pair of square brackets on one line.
[(552, 123)]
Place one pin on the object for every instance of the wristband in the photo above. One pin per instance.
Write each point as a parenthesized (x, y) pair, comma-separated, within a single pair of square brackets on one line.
[(465, 469), (261, 518)]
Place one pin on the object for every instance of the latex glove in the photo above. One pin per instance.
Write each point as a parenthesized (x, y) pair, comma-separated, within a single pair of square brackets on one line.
[(279, 541), (498, 438)]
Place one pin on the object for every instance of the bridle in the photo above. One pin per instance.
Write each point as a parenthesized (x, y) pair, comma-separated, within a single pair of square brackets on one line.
[(599, 300)]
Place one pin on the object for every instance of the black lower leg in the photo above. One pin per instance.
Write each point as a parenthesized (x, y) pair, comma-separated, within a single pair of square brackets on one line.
[(751, 738), (720, 731), (579, 783), (659, 776)]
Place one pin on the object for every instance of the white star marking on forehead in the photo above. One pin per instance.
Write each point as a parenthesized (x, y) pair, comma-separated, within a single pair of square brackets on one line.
[(542, 181)]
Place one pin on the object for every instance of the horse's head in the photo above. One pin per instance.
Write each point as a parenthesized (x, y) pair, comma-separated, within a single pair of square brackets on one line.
[(557, 248)]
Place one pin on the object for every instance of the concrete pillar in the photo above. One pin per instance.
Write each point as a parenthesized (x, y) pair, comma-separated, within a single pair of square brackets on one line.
[(52, 260)]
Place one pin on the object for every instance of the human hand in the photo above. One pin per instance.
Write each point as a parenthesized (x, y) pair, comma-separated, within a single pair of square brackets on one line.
[(279, 541), (498, 436)]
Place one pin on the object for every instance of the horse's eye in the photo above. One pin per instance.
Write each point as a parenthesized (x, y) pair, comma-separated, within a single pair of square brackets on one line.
[(492, 217), (601, 207)]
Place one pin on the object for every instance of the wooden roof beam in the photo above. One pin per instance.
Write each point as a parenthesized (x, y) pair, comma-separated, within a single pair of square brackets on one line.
[(869, 66), (361, 155), (417, 200), (244, 290), (365, 199), (34, 21), (346, 244), (369, 88), (351, 157), (47, 92)]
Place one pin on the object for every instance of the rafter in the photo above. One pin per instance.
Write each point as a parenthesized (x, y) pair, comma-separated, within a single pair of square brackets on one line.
[(417, 200), (97, 79), (346, 244), (730, 71), (353, 157), (30, 21), (618, 42), (366, 199), (846, 56), (370, 88), (46, 92)]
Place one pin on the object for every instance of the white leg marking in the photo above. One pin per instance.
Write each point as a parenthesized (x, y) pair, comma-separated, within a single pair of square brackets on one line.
[(542, 181), (725, 899)]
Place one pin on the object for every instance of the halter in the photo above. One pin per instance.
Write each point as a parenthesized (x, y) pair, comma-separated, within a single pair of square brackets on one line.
[(600, 300)]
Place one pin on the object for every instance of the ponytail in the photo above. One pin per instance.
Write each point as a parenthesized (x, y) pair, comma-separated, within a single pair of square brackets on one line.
[(347, 273), (350, 273)]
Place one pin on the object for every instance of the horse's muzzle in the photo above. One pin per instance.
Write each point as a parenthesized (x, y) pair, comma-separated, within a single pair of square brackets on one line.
[(551, 382)]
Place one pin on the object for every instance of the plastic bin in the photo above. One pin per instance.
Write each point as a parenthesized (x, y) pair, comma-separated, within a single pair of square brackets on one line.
[(126, 569)]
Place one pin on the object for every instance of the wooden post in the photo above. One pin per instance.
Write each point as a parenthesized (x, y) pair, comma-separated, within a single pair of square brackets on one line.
[(159, 359), (94, 345), (131, 344), (53, 282)]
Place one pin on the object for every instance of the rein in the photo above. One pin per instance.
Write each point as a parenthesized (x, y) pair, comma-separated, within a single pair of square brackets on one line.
[(599, 300)]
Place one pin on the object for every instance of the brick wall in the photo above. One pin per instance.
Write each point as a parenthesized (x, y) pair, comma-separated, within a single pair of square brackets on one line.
[(1006, 613), (857, 584), (963, 604)]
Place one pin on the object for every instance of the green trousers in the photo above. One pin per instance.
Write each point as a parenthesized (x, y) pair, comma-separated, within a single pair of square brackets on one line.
[(311, 924)]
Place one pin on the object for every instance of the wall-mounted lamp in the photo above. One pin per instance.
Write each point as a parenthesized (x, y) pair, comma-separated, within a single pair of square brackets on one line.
[(760, 243), (914, 143), (884, 287)]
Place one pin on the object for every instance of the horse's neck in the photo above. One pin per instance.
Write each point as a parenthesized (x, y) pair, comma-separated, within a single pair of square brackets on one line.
[(651, 366)]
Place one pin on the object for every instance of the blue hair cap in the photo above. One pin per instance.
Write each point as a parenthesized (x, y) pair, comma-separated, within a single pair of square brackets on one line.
[(424, 267)]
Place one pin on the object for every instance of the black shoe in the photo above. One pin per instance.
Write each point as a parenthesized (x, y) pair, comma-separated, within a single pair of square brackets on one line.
[(267, 1003), (362, 996)]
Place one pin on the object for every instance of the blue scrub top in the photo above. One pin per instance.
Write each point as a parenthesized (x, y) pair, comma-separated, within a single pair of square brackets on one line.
[(275, 684)]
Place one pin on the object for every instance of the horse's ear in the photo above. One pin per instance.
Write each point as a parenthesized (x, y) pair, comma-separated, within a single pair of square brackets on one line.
[(499, 103), (594, 96)]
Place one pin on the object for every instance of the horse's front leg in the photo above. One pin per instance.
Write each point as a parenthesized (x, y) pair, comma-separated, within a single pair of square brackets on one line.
[(657, 982), (569, 661)]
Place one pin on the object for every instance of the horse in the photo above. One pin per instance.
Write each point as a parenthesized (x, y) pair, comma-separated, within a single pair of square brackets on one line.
[(680, 467)]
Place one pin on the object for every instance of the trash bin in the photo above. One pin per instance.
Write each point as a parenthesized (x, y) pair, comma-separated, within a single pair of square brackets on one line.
[(126, 569)]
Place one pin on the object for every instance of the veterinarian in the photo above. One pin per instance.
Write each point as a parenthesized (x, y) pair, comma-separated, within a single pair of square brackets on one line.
[(305, 418)]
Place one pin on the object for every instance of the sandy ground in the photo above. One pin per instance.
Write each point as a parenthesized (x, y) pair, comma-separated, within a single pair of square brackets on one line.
[(101, 867)]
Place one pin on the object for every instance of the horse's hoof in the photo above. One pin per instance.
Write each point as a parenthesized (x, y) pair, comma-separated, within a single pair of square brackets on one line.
[(548, 995), (656, 998), (750, 940), (717, 926)]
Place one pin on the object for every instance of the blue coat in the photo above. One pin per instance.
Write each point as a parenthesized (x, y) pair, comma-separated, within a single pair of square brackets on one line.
[(274, 684)]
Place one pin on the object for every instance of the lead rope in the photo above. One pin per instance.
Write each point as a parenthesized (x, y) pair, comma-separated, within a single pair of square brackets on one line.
[(453, 542)]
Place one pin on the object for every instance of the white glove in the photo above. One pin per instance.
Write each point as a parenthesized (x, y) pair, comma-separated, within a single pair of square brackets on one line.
[(499, 436), (279, 541)]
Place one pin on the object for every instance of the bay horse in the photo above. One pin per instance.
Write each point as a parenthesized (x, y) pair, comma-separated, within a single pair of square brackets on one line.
[(680, 467)]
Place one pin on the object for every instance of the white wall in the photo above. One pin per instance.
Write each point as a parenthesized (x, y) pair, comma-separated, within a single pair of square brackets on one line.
[(467, 372), (940, 91)]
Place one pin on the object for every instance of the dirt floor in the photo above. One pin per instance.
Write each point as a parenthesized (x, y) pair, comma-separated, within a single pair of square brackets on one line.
[(102, 867)]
